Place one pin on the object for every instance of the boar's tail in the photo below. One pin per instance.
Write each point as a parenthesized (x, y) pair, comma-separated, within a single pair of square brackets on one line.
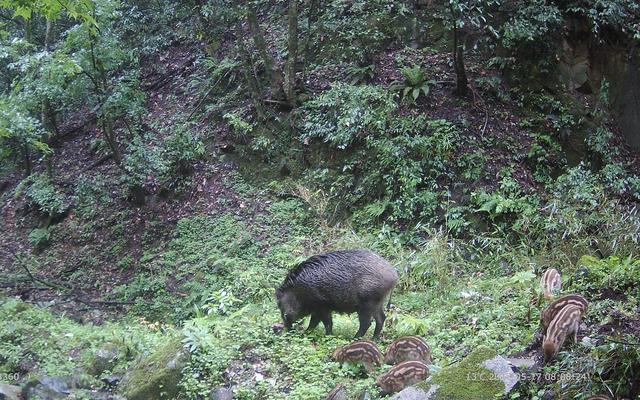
[(389, 302)]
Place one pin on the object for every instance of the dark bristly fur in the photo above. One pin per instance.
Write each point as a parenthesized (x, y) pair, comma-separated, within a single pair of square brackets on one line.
[(344, 281), (402, 375), (408, 348)]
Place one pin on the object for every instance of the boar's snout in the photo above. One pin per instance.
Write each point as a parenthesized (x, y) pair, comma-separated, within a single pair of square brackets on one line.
[(287, 320), (287, 310)]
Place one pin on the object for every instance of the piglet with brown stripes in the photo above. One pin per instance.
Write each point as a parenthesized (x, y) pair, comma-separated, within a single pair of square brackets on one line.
[(362, 352), (408, 348), (402, 375), (551, 283), (565, 323), (554, 308)]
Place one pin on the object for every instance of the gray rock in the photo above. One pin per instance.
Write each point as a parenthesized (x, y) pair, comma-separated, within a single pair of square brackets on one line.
[(104, 359), (337, 393), (414, 393), (221, 393), (502, 370), (47, 388), (364, 396), (521, 362), (10, 392), (156, 376)]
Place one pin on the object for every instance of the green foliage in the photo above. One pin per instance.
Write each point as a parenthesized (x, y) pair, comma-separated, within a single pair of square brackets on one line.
[(620, 15), (617, 362), (18, 130), (398, 159), (183, 148), (58, 345), (415, 84), (436, 263), (77, 9), (409, 163), (345, 113), (358, 75), (508, 203), (90, 195), (493, 86), (238, 124), (531, 22), (41, 192), (545, 158), (40, 237), (360, 28), (144, 164), (612, 273), (419, 189)]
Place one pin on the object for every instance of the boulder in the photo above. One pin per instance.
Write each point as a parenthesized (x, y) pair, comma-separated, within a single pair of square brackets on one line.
[(10, 392), (48, 388), (104, 359), (221, 393), (482, 375), (415, 393), (502, 370), (157, 376)]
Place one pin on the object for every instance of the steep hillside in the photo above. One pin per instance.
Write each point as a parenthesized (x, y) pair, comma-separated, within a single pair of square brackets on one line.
[(165, 164)]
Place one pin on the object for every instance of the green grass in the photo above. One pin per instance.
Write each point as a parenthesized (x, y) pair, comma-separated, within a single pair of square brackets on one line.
[(58, 346), (216, 276)]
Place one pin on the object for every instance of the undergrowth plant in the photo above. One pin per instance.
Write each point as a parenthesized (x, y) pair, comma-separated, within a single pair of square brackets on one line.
[(414, 85)]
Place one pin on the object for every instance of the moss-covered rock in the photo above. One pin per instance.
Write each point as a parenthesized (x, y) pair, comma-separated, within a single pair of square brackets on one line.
[(156, 376), (469, 380), (104, 358)]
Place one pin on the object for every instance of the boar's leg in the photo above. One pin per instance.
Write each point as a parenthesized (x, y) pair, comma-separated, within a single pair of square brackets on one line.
[(364, 315), (379, 318), (325, 317), (315, 320), (327, 322)]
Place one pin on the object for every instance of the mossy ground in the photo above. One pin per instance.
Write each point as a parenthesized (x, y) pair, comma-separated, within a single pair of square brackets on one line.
[(468, 379), (469, 198), (214, 278), (157, 376)]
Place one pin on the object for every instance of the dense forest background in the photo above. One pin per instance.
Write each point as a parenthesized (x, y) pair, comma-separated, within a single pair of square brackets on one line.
[(164, 164)]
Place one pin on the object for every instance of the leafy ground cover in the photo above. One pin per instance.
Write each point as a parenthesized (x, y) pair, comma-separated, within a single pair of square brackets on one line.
[(174, 183)]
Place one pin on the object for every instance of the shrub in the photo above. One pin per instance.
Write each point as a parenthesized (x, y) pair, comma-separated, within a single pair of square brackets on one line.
[(414, 85), (40, 237), (183, 148), (611, 273), (144, 164), (345, 113), (360, 28), (41, 192)]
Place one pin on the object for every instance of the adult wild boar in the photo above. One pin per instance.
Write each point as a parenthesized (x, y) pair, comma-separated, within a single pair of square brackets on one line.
[(344, 281)]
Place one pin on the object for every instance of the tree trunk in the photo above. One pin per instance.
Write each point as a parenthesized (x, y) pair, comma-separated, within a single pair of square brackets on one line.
[(458, 56), (46, 113), (413, 6), (101, 88), (248, 72), (275, 75), (462, 85), (27, 158), (312, 18), (292, 47)]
